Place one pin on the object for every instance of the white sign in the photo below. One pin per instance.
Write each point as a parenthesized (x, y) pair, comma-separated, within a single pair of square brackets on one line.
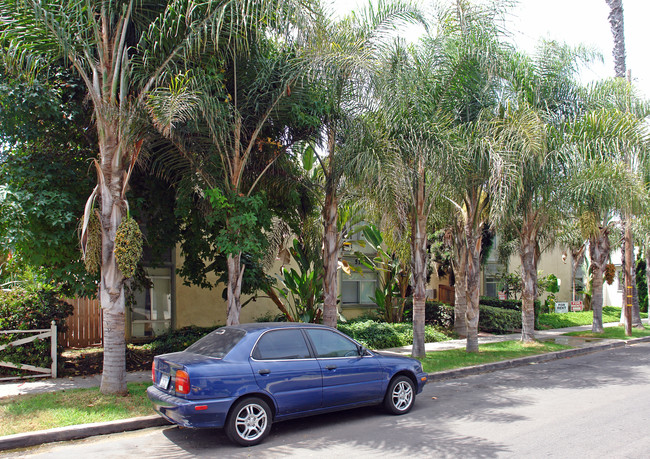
[(561, 307)]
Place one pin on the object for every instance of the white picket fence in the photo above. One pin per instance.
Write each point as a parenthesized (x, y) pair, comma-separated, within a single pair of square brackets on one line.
[(42, 334)]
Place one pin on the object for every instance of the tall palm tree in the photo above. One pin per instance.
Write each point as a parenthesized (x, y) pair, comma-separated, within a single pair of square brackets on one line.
[(122, 50), (601, 186), (545, 94), (343, 54)]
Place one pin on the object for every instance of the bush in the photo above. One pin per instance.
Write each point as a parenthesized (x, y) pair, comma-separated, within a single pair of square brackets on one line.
[(381, 335), (30, 309), (435, 313), (498, 320), (177, 340)]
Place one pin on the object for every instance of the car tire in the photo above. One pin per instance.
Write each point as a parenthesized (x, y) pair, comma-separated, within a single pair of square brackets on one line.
[(249, 421), (400, 395)]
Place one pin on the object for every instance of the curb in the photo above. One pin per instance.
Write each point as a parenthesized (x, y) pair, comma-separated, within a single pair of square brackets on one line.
[(76, 432)]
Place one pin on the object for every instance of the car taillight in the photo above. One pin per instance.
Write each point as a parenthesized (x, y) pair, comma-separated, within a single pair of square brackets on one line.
[(182, 382), (153, 372)]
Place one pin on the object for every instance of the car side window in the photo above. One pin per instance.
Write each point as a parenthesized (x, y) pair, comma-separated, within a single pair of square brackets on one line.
[(330, 344), (281, 345)]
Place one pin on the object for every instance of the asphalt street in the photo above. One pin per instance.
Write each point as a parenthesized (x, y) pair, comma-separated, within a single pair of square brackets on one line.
[(586, 406)]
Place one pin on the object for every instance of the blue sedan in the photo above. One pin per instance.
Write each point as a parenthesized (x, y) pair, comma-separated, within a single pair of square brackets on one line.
[(242, 378)]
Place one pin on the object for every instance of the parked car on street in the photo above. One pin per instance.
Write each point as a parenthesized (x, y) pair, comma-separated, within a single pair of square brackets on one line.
[(243, 378)]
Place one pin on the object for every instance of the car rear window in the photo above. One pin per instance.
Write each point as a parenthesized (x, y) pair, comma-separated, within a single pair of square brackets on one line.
[(218, 343)]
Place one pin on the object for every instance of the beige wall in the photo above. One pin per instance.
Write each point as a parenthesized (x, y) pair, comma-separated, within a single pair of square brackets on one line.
[(207, 308)]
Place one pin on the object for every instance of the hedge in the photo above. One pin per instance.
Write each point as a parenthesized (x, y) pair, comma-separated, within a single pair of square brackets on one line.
[(30, 309), (382, 335), (177, 340)]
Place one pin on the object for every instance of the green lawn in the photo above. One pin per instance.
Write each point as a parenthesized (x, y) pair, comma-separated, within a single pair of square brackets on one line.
[(491, 352), (26, 413), (613, 333), (573, 319)]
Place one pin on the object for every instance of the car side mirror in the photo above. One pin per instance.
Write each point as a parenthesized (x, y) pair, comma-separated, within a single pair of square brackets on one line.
[(361, 350)]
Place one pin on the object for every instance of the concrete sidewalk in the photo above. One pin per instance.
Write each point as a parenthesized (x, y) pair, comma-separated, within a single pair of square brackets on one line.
[(23, 440)]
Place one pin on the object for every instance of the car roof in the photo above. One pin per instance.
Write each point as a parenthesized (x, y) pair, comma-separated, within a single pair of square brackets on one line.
[(273, 325)]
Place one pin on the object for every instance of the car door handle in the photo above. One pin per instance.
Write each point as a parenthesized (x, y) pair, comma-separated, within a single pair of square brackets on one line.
[(330, 367), (264, 371)]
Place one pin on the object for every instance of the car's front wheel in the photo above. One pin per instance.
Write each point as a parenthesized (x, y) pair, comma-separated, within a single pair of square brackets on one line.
[(400, 395), (249, 421)]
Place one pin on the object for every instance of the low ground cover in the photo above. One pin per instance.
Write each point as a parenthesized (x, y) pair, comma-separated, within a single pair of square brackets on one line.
[(491, 352), (573, 319), (614, 333), (27, 413)]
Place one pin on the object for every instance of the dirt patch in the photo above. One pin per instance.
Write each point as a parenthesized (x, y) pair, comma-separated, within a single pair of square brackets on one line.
[(89, 361)]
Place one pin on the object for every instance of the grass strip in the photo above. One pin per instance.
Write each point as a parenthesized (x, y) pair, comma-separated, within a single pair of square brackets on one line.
[(573, 319), (27, 413), (613, 333), (490, 352)]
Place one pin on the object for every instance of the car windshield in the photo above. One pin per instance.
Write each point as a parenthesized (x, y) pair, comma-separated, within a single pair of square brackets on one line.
[(218, 343)]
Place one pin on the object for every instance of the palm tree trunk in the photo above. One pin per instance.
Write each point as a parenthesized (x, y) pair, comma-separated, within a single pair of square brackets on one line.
[(460, 290), (111, 287), (472, 276), (419, 262), (598, 250), (235, 276), (330, 237), (618, 31), (529, 291), (647, 272)]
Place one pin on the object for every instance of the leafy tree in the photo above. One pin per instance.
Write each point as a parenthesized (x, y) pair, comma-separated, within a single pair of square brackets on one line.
[(122, 52)]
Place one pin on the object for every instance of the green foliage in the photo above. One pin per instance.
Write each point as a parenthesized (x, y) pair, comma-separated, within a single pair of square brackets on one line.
[(514, 305), (641, 283), (177, 340), (45, 177), (28, 308), (573, 319), (435, 313), (390, 297), (497, 320), (128, 246), (381, 335), (302, 290)]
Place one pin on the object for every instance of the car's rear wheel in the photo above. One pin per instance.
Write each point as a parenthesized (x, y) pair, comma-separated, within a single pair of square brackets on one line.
[(400, 395), (249, 421)]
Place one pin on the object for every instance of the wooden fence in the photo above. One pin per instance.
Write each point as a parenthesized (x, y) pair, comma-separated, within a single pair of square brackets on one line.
[(446, 294), (84, 325)]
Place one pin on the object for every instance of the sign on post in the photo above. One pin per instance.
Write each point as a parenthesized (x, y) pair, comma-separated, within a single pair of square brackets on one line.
[(561, 307), (576, 306), (502, 295)]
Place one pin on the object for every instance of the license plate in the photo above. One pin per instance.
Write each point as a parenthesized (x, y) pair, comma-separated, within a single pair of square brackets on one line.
[(164, 381)]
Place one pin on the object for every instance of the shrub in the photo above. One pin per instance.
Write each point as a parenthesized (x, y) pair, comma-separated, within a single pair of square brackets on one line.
[(177, 340), (381, 335), (30, 309), (435, 313), (498, 320)]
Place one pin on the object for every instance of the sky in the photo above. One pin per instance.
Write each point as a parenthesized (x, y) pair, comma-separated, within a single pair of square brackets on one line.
[(575, 22)]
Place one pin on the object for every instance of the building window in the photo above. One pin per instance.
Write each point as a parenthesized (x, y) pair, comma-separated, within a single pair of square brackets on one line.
[(358, 287), (152, 313), (491, 283)]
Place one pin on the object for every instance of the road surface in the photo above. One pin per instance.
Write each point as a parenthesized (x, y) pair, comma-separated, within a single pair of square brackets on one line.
[(596, 405)]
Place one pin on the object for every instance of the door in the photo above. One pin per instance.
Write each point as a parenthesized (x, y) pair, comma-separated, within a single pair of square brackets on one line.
[(284, 367), (348, 377)]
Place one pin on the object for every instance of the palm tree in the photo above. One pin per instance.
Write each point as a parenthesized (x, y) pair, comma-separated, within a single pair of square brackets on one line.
[(545, 94), (123, 51), (343, 54), (601, 185)]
